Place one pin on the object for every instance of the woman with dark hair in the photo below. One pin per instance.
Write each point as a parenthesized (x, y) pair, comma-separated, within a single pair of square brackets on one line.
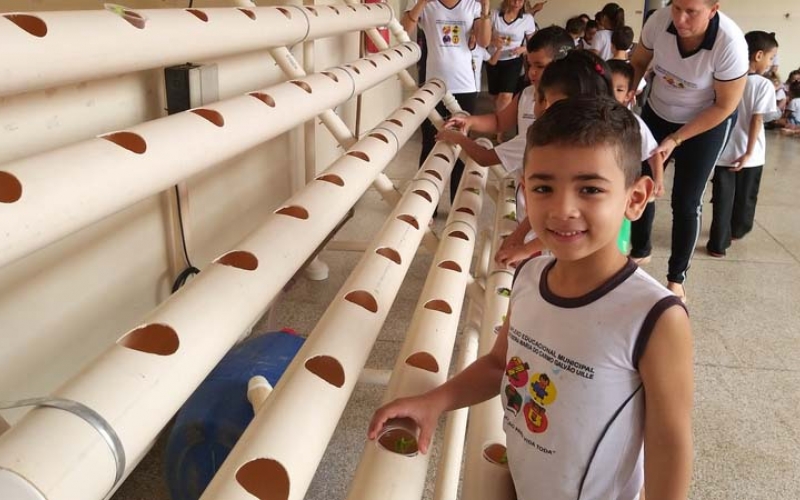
[(511, 28), (612, 17), (699, 56)]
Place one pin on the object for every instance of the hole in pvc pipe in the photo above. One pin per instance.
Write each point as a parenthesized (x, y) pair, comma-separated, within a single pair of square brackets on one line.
[(465, 210), (265, 98), (380, 137), (312, 10), (390, 253), (475, 172), (398, 53), (434, 173), (358, 71), (293, 211), (240, 260), (458, 234), (199, 14), (359, 155), (128, 140), (409, 110), (442, 157), (386, 56), (410, 50), (32, 24), (423, 194), (264, 478), (439, 305), (153, 339), (474, 191), (331, 76), (396, 122), (327, 368), (373, 63), (409, 219), (334, 9), (423, 361), (496, 454), (427, 91), (399, 435), (435, 84), (248, 13), (421, 101), (133, 18), (367, 6), (209, 114), (10, 188), (333, 179), (364, 299), (303, 85), (285, 12), (451, 265), (352, 8)]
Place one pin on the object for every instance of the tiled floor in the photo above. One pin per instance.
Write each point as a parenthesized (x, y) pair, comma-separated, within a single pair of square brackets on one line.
[(746, 322)]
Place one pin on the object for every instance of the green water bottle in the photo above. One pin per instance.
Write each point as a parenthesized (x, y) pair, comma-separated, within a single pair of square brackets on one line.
[(624, 238)]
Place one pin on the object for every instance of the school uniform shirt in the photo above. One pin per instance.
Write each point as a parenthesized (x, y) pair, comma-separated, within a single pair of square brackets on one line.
[(793, 110), (513, 33), (758, 99), (684, 82), (447, 34), (602, 44), (572, 396), (649, 143), (525, 116), (479, 55)]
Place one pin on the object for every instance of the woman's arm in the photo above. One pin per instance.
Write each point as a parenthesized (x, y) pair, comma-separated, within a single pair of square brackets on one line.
[(728, 96), (640, 60), (410, 18)]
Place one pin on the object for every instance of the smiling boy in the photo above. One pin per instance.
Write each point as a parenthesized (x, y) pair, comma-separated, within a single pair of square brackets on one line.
[(611, 344)]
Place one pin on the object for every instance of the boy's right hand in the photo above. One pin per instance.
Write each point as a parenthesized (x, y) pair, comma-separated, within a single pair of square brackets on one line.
[(422, 409)]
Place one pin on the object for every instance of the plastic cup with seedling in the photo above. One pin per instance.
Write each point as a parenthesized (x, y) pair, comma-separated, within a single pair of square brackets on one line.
[(512, 215)]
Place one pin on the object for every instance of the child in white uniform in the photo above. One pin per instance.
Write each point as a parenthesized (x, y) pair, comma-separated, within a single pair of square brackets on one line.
[(737, 175), (545, 46), (605, 350)]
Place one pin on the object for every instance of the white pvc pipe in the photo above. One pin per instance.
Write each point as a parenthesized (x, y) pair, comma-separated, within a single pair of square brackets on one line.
[(281, 448), (138, 384), (373, 376), (425, 357), (60, 191), (49, 49), (483, 479), (258, 390), (448, 469)]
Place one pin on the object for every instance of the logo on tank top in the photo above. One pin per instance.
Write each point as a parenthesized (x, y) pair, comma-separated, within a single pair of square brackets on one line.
[(543, 392)]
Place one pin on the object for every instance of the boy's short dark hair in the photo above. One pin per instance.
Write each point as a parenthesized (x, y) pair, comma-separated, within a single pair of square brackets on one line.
[(760, 41), (590, 121), (622, 68), (553, 39), (794, 89), (592, 25), (575, 26), (622, 38)]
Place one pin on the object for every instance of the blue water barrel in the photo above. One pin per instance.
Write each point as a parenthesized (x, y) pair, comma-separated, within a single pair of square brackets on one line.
[(211, 421)]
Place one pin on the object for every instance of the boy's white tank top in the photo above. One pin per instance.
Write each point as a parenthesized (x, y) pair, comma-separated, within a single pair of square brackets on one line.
[(572, 395)]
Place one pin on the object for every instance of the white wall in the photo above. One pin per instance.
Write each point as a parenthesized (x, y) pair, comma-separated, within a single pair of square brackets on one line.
[(64, 304), (771, 15)]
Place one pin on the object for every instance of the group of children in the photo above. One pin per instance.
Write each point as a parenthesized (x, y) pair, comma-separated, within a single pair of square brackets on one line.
[(588, 333), (787, 96)]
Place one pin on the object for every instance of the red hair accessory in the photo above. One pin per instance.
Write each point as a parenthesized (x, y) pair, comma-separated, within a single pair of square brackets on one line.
[(599, 69)]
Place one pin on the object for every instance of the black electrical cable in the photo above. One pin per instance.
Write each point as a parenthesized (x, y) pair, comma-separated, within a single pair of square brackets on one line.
[(190, 269)]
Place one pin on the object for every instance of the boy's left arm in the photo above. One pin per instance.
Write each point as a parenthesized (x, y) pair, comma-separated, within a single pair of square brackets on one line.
[(666, 368), (756, 124)]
